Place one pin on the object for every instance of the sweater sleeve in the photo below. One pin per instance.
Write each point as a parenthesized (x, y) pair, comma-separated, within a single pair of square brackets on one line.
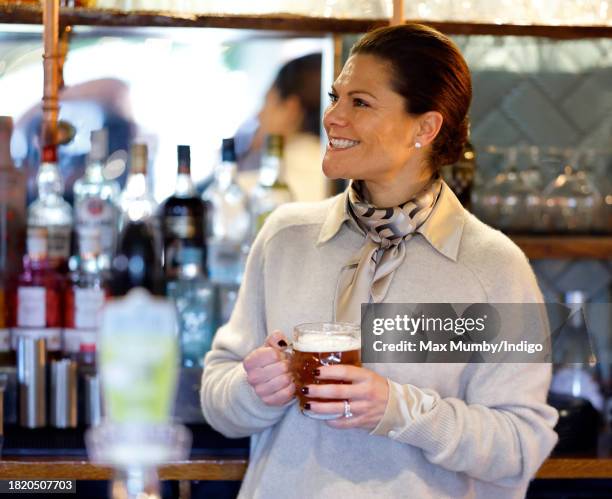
[(229, 403), (501, 432)]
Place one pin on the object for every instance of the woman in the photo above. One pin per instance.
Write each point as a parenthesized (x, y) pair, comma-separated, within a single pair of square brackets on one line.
[(292, 108), (397, 113)]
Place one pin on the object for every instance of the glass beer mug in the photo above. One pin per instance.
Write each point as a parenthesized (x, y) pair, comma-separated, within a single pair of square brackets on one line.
[(322, 344)]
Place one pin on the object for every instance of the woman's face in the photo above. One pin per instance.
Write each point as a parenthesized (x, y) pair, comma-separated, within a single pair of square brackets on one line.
[(370, 135), (279, 116)]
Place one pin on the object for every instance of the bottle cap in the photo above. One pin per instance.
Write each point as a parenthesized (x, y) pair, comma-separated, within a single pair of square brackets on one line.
[(184, 155), (49, 154), (275, 144), (228, 150), (99, 145), (87, 348), (139, 159), (577, 297)]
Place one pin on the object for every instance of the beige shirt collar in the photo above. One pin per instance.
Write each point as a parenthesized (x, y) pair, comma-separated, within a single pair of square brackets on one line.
[(443, 229)]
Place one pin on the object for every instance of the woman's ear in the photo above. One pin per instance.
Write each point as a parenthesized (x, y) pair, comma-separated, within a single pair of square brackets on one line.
[(429, 127)]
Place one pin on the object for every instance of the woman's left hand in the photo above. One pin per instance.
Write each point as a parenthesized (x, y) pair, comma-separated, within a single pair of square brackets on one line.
[(367, 396)]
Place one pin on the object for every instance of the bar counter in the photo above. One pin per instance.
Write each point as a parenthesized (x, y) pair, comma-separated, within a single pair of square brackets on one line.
[(60, 454), (220, 468)]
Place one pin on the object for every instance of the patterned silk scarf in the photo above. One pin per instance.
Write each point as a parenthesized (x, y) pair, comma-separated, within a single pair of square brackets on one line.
[(367, 276)]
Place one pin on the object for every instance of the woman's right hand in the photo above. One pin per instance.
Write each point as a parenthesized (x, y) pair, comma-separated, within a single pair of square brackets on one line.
[(267, 369)]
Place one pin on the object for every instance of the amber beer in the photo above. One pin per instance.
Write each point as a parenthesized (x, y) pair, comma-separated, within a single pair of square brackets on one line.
[(322, 344)]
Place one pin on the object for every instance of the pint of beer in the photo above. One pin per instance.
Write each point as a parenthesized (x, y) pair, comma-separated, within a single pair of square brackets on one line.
[(322, 344)]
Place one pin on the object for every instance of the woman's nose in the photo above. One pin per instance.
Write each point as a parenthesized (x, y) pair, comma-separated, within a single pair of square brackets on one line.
[(335, 116)]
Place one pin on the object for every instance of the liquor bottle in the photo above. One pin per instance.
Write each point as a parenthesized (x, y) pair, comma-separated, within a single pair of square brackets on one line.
[(37, 299), (136, 201), (574, 360), (50, 216), (183, 219), (137, 262), (96, 199), (12, 205), (194, 299), (229, 221), (12, 232), (271, 190), (84, 299), (7, 356)]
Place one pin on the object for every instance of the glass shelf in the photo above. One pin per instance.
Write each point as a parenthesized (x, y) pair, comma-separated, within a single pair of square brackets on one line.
[(565, 247), (22, 14)]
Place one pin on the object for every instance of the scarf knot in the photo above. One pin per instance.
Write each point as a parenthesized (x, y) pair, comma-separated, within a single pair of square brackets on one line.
[(386, 231)]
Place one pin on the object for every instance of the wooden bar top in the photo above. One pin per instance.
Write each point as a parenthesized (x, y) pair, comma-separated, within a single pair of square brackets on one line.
[(234, 468), (565, 247), (70, 468)]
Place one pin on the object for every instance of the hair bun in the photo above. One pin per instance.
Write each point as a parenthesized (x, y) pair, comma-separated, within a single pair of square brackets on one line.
[(448, 145)]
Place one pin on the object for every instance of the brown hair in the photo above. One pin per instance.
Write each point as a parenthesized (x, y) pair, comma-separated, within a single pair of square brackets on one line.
[(302, 77), (430, 73)]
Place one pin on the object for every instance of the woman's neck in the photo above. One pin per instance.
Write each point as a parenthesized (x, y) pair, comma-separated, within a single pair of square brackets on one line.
[(387, 193)]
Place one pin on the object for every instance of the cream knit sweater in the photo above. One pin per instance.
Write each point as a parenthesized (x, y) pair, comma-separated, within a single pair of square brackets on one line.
[(488, 428)]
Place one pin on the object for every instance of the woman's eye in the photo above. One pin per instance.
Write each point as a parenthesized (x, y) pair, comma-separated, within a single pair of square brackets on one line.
[(360, 103), (332, 96)]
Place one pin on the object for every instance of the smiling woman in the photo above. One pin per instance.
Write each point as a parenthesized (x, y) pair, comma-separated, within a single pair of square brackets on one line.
[(405, 105), (397, 112)]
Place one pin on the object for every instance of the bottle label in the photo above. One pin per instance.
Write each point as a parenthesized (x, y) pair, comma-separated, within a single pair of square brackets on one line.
[(176, 255), (53, 335), (5, 340), (183, 227), (226, 261), (31, 307), (37, 242), (102, 215), (74, 338), (58, 242), (88, 304)]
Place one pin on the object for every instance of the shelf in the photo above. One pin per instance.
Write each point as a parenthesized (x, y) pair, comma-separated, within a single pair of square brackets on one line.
[(21, 14), (276, 22), (575, 467), (234, 469), (555, 32), (66, 468), (569, 247)]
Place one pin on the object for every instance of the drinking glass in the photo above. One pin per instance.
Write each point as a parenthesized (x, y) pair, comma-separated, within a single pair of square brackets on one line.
[(322, 344)]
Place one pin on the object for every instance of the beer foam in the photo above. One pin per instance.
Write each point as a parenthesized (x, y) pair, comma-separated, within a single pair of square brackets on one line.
[(318, 342)]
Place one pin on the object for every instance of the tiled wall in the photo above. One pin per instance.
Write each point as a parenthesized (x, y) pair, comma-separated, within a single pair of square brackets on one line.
[(541, 92)]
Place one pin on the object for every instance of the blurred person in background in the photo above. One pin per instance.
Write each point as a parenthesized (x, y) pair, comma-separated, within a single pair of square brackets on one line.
[(291, 108), (87, 106)]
